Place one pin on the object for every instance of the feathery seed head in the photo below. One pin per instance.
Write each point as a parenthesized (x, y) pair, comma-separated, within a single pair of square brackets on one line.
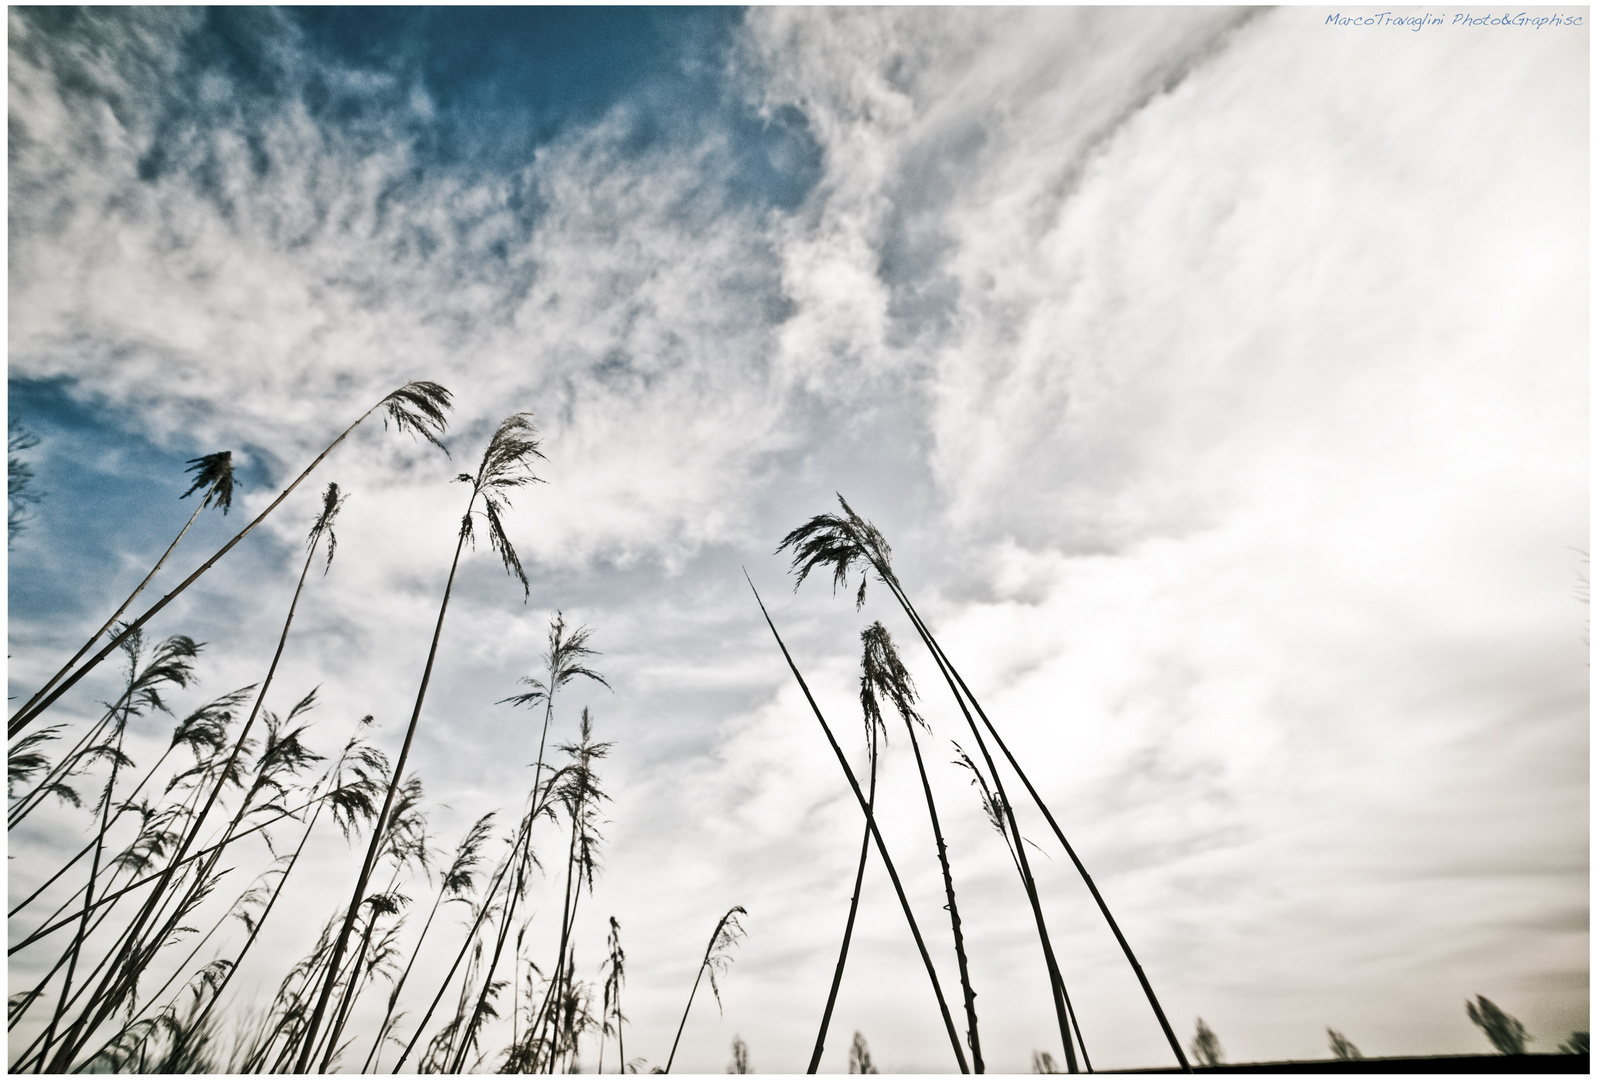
[(564, 662), (332, 502), (728, 931), (841, 543), (882, 672), (507, 463), (214, 473), (418, 407)]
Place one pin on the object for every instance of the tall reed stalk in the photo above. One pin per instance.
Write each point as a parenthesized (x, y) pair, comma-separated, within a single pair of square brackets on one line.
[(506, 465), (580, 795), (722, 939), (874, 728), (616, 963), (565, 661), (171, 664), (417, 407), (205, 726), (841, 543), (884, 673), (876, 835), (456, 884)]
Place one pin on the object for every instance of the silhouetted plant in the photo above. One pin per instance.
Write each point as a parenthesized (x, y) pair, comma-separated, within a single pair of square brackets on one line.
[(1578, 1043), (140, 948), (564, 662), (507, 464), (1508, 1035), (876, 835), (843, 543), (1342, 1047), (1205, 1046), (1043, 1062), (859, 1052), (875, 729), (457, 884), (740, 1057), (555, 1031), (615, 970), (717, 958), (213, 474), (19, 479)]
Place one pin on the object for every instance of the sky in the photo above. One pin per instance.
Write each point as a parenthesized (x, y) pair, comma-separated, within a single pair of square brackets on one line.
[(1218, 376)]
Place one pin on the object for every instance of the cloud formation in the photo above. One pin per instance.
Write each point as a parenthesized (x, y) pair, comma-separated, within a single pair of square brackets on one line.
[(1218, 376)]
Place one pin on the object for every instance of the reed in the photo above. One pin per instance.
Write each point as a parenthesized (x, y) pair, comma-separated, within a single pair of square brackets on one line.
[(876, 835), (506, 465), (124, 973), (615, 970), (845, 542), (874, 728), (883, 673), (456, 884), (565, 661), (722, 939)]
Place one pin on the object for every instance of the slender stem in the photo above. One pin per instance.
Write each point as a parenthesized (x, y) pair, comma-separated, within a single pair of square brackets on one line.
[(871, 821), (94, 872), (393, 997), (260, 922), (388, 802), (202, 853), (954, 910), (854, 907), (488, 980), (1104, 908), (1056, 983), (70, 863), (703, 964), (466, 945), (62, 769)]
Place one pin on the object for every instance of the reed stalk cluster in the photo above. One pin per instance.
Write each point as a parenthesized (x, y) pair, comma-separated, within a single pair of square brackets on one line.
[(845, 544), (190, 855)]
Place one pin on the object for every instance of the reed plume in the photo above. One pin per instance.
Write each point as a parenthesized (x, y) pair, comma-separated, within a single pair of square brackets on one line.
[(615, 967), (874, 729), (566, 660), (883, 673), (456, 884), (125, 971)]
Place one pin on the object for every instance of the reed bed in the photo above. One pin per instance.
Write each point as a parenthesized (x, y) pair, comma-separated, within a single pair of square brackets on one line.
[(139, 935), (144, 928)]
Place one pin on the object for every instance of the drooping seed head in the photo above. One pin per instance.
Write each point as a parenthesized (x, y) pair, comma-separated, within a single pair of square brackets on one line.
[(332, 502), (419, 407), (882, 672), (839, 542), (214, 473), (507, 463)]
